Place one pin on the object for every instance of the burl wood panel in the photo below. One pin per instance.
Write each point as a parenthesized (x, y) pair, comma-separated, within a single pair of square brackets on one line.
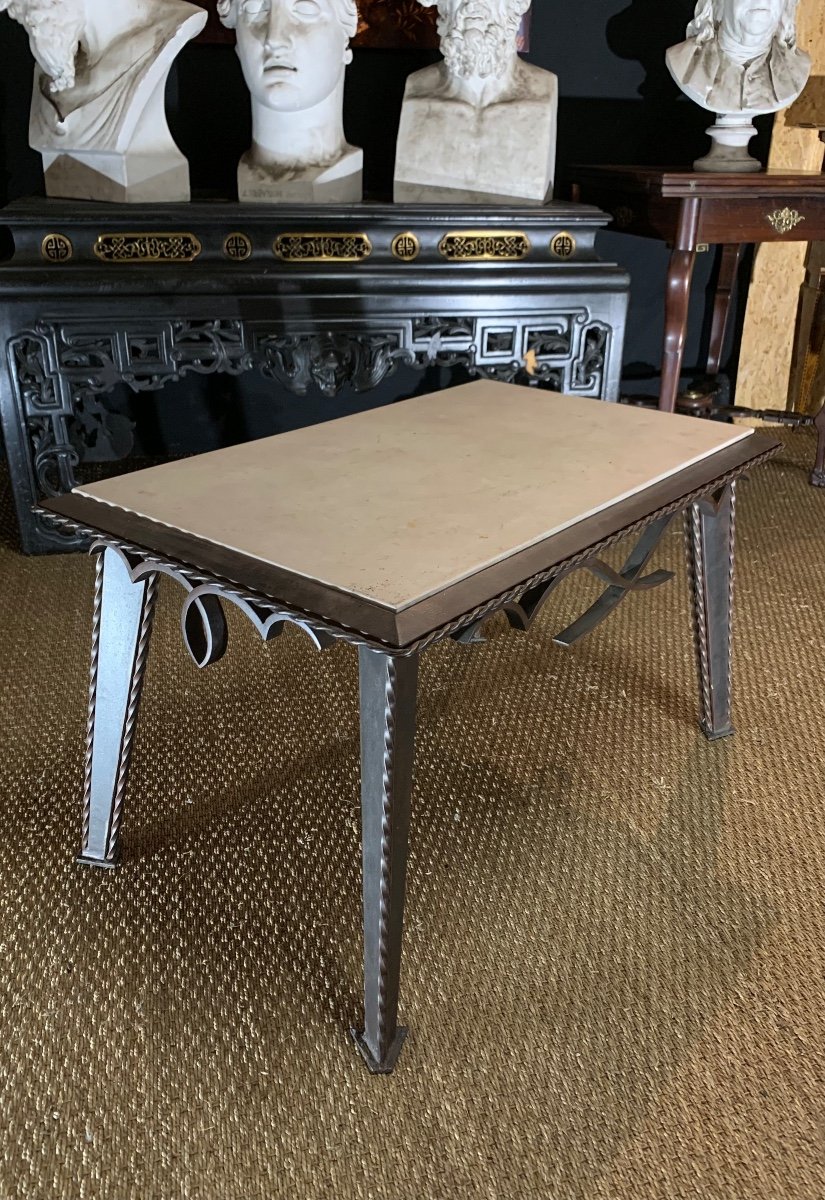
[(779, 270)]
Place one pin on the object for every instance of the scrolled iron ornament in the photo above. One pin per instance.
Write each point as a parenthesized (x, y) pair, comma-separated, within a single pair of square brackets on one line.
[(204, 624)]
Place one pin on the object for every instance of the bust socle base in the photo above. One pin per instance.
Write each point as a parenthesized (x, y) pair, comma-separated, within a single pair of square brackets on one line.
[(731, 136), (339, 183), (421, 193), (118, 178), (444, 155)]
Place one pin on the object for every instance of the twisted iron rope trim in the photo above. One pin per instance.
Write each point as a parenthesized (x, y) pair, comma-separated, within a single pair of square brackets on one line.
[(697, 580), (696, 576), (321, 623), (388, 786), (731, 578)]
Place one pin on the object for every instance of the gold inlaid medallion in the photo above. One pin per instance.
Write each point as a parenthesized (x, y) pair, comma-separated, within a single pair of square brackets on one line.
[(238, 247), (322, 247), (406, 247), (148, 247), (563, 245), (56, 248), (484, 245)]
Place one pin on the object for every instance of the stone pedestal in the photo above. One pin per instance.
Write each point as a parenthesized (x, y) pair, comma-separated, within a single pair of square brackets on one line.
[(339, 183), (731, 136), (450, 151)]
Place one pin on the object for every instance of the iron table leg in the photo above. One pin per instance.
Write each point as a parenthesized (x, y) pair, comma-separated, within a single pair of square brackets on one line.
[(120, 642), (710, 548), (388, 702), (818, 391)]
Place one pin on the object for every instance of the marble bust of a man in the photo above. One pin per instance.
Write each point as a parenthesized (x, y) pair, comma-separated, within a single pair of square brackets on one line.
[(294, 55), (741, 56), (480, 125), (98, 111)]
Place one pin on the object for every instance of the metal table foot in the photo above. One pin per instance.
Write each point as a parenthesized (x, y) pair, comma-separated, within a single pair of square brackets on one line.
[(384, 1066), (106, 864)]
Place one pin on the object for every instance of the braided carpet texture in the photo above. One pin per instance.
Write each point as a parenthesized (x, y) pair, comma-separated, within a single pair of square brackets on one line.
[(614, 943)]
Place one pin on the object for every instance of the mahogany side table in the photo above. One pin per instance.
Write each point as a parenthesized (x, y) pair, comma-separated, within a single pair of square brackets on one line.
[(688, 209), (393, 530)]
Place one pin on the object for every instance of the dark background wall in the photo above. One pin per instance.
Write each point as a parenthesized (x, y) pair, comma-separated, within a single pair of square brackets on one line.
[(618, 105)]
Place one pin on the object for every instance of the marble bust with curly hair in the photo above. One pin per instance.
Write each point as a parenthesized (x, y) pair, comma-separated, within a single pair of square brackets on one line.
[(741, 56), (481, 124)]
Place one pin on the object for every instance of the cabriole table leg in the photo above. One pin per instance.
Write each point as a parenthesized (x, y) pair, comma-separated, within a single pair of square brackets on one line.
[(710, 527), (122, 628), (388, 703)]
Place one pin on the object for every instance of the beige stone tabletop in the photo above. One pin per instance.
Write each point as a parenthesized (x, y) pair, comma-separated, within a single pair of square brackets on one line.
[(397, 503)]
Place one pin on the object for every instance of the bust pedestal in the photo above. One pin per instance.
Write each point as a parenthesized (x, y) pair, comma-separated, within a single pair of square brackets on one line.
[(339, 183), (452, 151), (731, 136)]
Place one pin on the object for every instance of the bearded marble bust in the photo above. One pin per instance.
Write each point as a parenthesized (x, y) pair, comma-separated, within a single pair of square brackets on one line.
[(98, 116), (294, 54), (481, 125)]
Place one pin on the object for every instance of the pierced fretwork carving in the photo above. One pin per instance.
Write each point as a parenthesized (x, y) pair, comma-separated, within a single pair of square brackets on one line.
[(588, 370), (331, 360)]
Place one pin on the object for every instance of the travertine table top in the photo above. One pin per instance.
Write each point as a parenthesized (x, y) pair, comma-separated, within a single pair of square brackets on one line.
[(398, 503)]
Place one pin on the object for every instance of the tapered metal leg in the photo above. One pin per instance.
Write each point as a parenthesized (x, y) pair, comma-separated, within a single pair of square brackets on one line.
[(120, 642), (388, 699), (710, 549)]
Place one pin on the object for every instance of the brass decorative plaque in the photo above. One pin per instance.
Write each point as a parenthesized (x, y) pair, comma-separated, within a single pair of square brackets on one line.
[(563, 245), (238, 247), (56, 248), (484, 245), (148, 247), (322, 247), (784, 219), (406, 246)]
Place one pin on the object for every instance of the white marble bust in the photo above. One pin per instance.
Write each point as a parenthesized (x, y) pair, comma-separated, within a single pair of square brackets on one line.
[(481, 125), (294, 55), (98, 114), (739, 60)]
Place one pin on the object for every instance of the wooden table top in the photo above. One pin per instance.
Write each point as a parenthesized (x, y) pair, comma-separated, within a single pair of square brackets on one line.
[(376, 519), (682, 182)]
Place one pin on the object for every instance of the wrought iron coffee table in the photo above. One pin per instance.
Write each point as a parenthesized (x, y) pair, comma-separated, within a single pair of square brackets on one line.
[(393, 530)]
